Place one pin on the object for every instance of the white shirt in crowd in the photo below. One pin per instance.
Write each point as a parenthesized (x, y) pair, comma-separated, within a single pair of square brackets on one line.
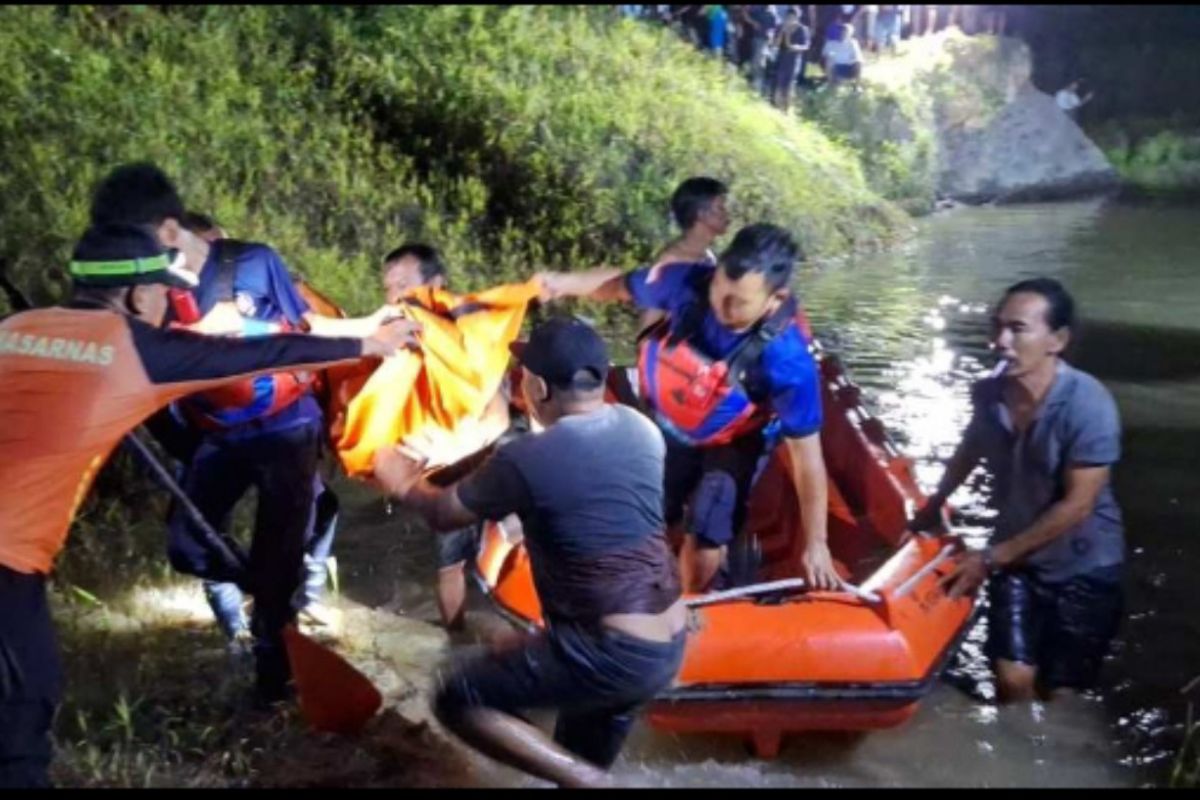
[(844, 52), (1067, 100)]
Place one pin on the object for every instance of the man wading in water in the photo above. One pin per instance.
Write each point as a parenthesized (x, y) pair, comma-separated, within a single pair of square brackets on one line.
[(588, 490), (1050, 435)]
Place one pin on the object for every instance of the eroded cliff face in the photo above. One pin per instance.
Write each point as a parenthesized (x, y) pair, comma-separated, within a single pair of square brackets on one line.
[(953, 117), (1028, 150)]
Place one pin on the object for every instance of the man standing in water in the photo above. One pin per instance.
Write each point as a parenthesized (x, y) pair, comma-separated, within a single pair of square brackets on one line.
[(601, 566), (1050, 435)]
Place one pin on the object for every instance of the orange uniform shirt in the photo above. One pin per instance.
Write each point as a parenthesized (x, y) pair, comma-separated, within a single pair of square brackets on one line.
[(73, 382)]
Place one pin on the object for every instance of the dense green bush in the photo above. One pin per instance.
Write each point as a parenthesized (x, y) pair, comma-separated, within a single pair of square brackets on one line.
[(220, 99), (580, 127), (1165, 164), (509, 136), (893, 134)]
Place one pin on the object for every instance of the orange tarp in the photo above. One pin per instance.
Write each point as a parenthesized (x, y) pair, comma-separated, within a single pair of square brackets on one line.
[(441, 401)]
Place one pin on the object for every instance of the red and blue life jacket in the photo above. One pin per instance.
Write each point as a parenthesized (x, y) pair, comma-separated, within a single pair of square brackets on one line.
[(248, 400), (704, 401)]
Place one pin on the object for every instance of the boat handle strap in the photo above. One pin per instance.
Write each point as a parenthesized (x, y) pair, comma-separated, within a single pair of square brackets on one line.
[(771, 587)]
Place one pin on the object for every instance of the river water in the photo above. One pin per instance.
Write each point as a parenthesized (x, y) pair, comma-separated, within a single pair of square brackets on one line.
[(912, 326)]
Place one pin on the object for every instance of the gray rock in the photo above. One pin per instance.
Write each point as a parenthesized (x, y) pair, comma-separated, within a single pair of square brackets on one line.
[(1028, 151)]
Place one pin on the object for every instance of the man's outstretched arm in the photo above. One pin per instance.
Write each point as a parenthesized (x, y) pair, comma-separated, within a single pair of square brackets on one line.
[(605, 284), (400, 477)]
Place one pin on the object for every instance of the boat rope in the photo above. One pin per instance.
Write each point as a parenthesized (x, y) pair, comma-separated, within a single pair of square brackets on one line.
[(774, 586), (909, 584)]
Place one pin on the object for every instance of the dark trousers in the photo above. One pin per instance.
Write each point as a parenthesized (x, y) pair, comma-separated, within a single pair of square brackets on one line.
[(597, 678), (30, 680), (1062, 628), (714, 484), (226, 598), (282, 467)]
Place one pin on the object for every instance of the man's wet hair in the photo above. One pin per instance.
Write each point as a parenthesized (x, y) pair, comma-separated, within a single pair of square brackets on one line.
[(198, 223), (428, 258), (136, 194), (693, 197), (764, 248), (1060, 306)]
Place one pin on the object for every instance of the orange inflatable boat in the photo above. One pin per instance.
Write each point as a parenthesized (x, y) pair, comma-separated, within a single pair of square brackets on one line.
[(770, 659)]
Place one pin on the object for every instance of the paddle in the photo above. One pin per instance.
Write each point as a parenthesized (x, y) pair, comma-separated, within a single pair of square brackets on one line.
[(229, 552), (333, 695)]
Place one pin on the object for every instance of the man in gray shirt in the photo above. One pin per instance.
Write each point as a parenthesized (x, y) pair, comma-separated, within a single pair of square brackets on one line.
[(1049, 434), (588, 490)]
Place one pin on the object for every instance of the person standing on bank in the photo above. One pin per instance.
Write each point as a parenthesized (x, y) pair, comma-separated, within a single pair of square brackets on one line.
[(76, 378), (792, 44), (225, 598), (606, 578), (1050, 435), (264, 433)]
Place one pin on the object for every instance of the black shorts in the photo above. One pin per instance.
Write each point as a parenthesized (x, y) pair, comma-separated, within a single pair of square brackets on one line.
[(714, 482), (457, 547), (1063, 629), (849, 72), (598, 679)]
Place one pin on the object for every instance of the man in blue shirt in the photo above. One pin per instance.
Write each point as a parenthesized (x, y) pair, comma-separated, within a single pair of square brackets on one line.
[(266, 433), (718, 21), (1050, 435), (728, 360), (181, 441)]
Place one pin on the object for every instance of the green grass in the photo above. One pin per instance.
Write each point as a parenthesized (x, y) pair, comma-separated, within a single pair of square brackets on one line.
[(1185, 772), (153, 698), (511, 137), (1161, 165)]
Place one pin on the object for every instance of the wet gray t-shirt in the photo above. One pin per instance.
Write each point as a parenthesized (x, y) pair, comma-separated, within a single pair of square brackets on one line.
[(1077, 425), (588, 491)]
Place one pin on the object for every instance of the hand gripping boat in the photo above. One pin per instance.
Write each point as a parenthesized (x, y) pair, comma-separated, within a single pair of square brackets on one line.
[(766, 660)]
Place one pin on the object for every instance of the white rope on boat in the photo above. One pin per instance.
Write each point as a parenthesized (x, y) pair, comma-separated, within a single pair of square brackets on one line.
[(774, 586), (909, 584)]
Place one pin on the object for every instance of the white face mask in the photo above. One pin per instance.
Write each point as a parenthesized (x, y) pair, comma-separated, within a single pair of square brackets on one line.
[(178, 268)]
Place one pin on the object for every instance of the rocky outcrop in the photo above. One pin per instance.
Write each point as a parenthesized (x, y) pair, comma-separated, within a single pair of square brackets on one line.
[(1028, 151), (954, 118)]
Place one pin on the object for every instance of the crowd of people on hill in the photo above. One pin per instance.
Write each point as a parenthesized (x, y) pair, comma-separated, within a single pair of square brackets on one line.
[(774, 44)]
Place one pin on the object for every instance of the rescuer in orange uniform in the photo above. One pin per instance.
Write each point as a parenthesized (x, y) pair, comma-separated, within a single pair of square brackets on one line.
[(76, 378)]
